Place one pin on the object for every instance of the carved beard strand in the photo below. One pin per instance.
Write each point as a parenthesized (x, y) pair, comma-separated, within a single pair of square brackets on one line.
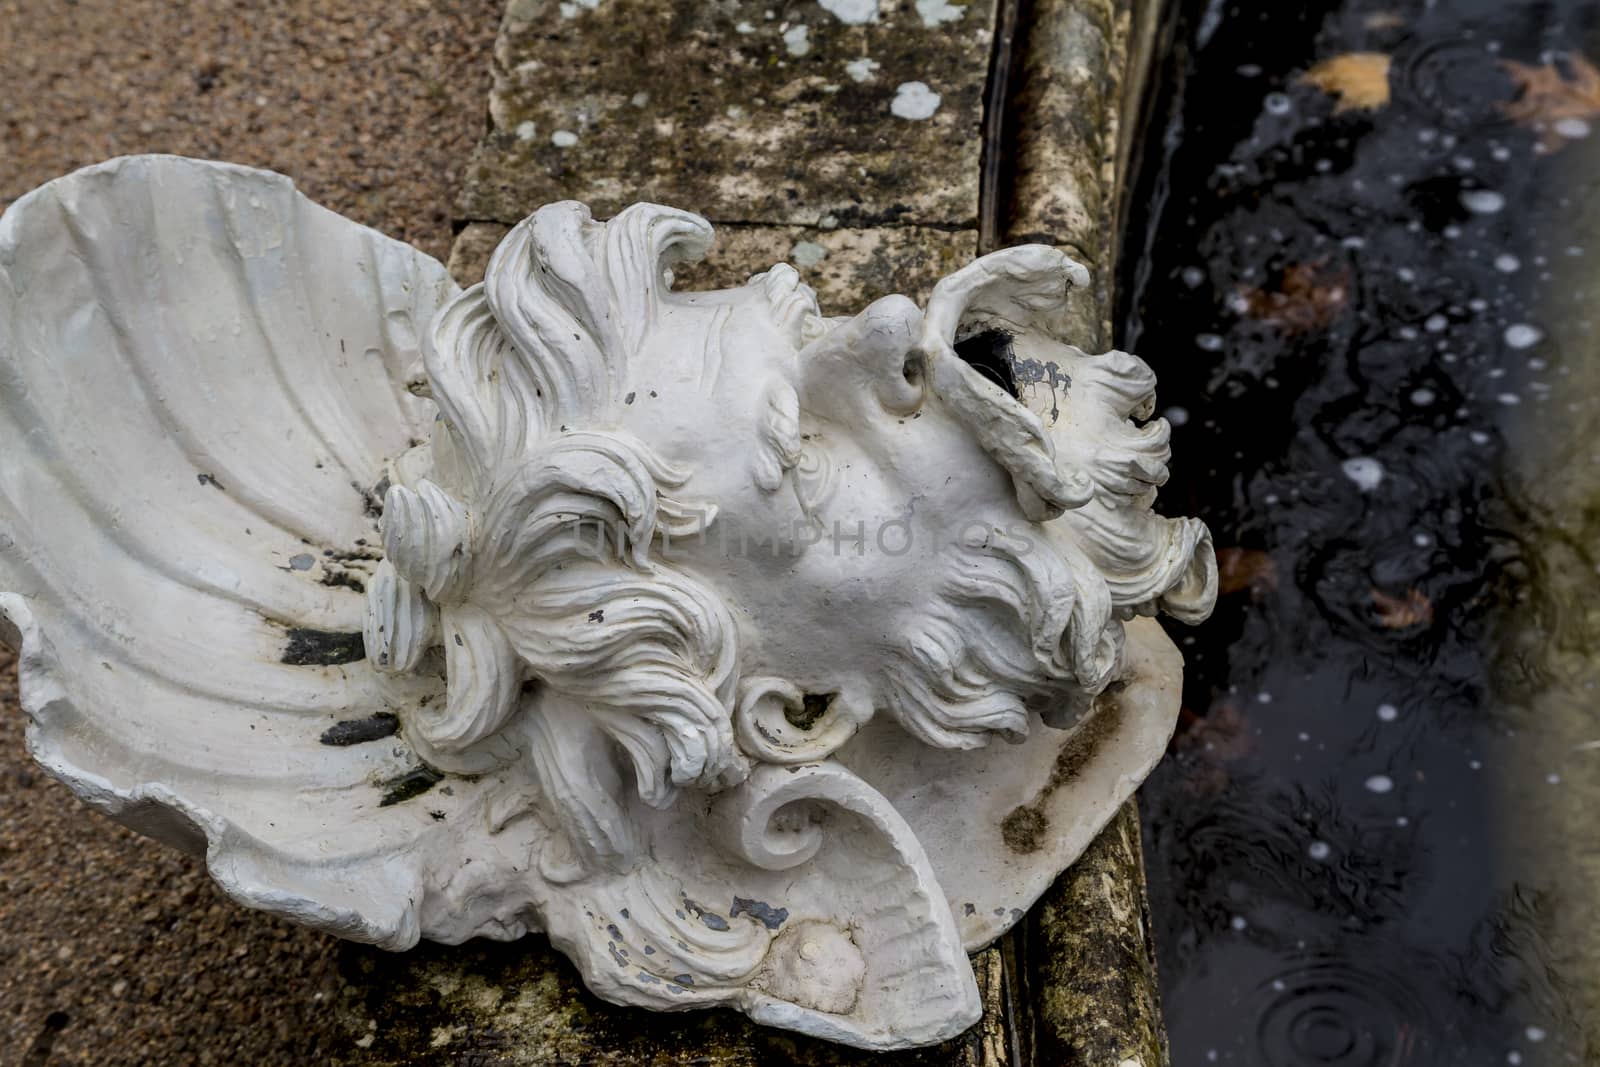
[(1017, 626)]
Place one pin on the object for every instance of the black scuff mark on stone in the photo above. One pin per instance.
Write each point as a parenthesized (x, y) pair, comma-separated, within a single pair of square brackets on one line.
[(1033, 372), (597, 615), (407, 786), (813, 706), (436, 816), (342, 580), (629, 398), (374, 727), (372, 499), (322, 648), (710, 918), (211, 480), (760, 910), (969, 909), (684, 979)]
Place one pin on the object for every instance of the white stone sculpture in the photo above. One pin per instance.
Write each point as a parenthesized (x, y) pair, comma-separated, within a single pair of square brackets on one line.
[(762, 659)]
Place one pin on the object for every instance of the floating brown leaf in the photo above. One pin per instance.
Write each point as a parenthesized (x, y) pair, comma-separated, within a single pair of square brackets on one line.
[(1309, 298), (1245, 568), (1402, 613), (1552, 103), (1359, 79)]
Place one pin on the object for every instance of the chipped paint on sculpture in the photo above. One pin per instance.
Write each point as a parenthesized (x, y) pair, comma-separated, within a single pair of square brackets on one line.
[(697, 613)]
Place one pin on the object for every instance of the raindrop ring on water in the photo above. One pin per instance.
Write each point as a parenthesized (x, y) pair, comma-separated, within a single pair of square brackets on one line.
[(1328, 1014)]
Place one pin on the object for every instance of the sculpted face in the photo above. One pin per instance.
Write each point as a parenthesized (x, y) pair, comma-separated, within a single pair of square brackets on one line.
[(696, 543), (761, 659)]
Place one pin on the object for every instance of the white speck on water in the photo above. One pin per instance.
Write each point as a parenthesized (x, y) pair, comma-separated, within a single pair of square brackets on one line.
[(1353, 242), (1401, 820), (1380, 783), (1514, 1057), (744, 27), (563, 138), (1406, 274), (1421, 540), (915, 101), (934, 12), (1388, 712), (807, 253), (1572, 128), (1521, 335), (1553, 778), (1365, 471), (1278, 103), (1193, 277), (1506, 263), (1302, 736), (1510, 400), (1175, 415), (527, 131), (861, 69), (796, 39), (1318, 850), (1535, 1034), (852, 12), (1211, 1055), (1482, 201), (1436, 323), (1478, 437), (1209, 342), (1500, 152), (1263, 697), (1474, 765), (1237, 922), (1422, 397)]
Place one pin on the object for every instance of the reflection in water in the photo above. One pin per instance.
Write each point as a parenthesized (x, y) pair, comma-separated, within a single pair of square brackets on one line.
[(1376, 841)]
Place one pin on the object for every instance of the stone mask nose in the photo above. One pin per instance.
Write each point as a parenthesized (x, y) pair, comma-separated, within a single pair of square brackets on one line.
[(873, 358)]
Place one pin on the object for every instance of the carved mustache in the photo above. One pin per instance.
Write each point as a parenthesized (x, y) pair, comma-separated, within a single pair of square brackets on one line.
[(899, 353)]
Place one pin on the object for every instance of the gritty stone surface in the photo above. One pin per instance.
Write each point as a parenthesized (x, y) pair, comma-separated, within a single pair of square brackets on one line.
[(856, 266), (1095, 996), (119, 951), (114, 950), (729, 110), (469, 256), (523, 1004), (1072, 72), (371, 106)]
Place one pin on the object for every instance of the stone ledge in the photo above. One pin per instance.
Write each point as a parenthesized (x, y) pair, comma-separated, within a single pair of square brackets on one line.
[(736, 112)]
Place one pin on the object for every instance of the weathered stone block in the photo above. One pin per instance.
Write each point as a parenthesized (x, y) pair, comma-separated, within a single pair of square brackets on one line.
[(742, 111)]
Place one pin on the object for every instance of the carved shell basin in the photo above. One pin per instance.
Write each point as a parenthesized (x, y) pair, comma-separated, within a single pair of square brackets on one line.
[(292, 543)]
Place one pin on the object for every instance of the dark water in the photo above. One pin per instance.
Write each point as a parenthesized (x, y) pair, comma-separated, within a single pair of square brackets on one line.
[(1378, 838)]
